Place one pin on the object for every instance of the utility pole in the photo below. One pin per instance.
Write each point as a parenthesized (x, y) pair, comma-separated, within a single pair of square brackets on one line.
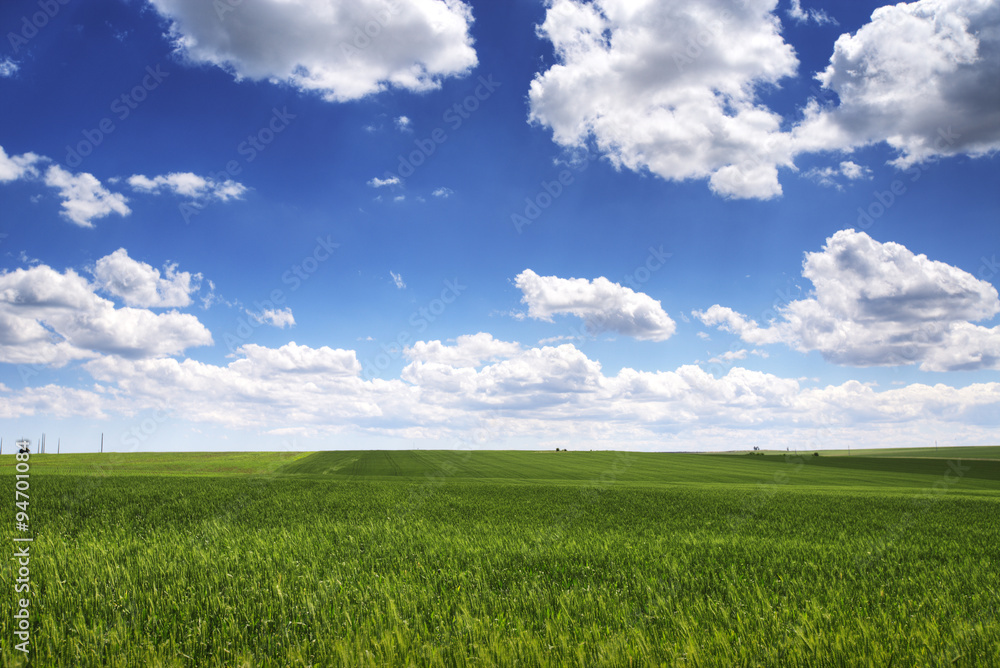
[(59, 446), (102, 442)]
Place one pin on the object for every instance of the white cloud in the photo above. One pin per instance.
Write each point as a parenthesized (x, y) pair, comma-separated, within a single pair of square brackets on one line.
[(603, 305), (139, 284), (729, 357), (8, 67), (501, 391), (470, 350), (279, 318), (343, 50), (672, 88), (16, 167), (54, 400), (403, 123), (291, 386), (853, 171), (84, 198), (921, 76), (189, 185), (829, 176), (878, 304), (805, 15), (397, 280), (381, 183), (47, 317), (443, 192), (669, 88)]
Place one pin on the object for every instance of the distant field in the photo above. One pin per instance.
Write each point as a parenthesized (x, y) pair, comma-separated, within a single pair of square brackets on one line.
[(967, 452), (883, 471), (161, 463), (444, 558)]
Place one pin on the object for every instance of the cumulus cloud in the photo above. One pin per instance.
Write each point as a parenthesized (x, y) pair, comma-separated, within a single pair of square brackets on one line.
[(920, 76), (604, 306), (397, 280), (189, 185), (16, 167), (830, 176), (443, 192), (291, 386), (83, 196), (376, 182), (343, 50), (54, 400), (403, 123), (800, 15), (669, 88), (673, 89), (469, 350), (48, 317), (551, 393), (279, 318), (139, 284), (879, 304)]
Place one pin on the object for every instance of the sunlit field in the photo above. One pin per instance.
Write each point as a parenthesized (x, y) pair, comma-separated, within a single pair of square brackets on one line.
[(440, 558)]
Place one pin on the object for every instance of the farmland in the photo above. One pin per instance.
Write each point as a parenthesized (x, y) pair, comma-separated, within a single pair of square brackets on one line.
[(444, 558)]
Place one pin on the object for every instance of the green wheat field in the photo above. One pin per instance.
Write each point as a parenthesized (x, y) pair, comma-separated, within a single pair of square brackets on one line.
[(487, 558)]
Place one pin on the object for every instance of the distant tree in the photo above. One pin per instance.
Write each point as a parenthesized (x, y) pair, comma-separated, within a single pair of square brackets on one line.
[(815, 454)]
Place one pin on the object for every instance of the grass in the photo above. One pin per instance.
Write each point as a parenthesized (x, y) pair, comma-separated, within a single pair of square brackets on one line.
[(966, 452), (499, 558)]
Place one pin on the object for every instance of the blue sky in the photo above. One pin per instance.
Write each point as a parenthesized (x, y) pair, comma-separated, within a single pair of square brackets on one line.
[(682, 226)]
